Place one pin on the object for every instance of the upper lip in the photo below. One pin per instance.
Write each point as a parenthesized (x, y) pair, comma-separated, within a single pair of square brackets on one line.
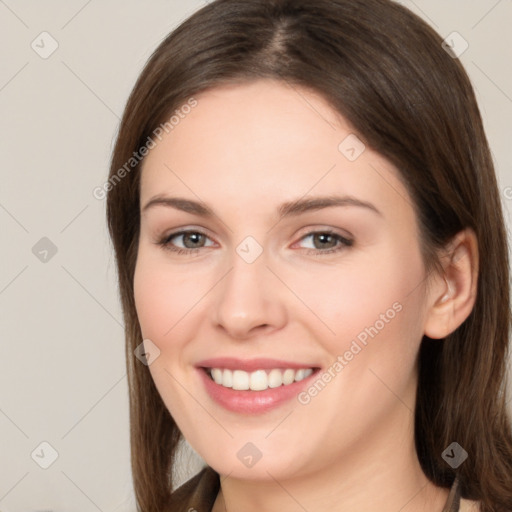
[(251, 365)]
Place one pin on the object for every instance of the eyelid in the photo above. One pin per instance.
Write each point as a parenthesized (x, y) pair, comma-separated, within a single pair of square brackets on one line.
[(184, 231), (344, 242), (312, 230)]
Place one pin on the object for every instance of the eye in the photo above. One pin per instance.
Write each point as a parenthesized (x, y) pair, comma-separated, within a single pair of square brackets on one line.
[(183, 242), (317, 242), (322, 242)]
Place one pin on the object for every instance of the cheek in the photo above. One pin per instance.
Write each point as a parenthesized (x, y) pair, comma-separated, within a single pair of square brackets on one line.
[(343, 300), (164, 301), (162, 298), (151, 300), (369, 314)]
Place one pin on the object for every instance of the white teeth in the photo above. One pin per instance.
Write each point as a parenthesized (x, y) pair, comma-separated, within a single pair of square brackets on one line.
[(258, 380), (288, 376), (227, 378), (217, 375), (299, 375), (240, 380), (275, 379)]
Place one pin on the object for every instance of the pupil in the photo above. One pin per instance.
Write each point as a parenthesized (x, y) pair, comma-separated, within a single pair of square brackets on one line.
[(324, 237), (195, 237)]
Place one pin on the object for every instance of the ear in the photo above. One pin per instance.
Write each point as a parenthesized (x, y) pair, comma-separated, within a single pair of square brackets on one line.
[(451, 296)]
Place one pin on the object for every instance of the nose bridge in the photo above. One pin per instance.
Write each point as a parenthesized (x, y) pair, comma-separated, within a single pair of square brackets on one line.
[(247, 300)]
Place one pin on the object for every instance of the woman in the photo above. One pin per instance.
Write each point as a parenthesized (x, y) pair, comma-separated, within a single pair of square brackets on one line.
[(313, 266)]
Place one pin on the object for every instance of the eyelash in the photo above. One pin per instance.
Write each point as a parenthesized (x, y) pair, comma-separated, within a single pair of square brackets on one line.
[(165, 242)]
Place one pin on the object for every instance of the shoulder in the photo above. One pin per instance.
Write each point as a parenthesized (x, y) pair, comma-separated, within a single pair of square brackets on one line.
[(199, 492)]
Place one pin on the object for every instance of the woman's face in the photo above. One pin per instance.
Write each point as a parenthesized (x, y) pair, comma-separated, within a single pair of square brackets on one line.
[(302, 251)]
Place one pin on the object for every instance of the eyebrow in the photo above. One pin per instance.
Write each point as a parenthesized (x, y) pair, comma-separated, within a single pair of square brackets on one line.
[(287, 209)]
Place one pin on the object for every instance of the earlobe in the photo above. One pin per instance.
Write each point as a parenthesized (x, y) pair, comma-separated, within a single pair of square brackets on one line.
[(451, 298)]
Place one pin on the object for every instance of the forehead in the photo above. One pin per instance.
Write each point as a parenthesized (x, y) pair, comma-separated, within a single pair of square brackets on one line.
[(254, 120), (267, 141)]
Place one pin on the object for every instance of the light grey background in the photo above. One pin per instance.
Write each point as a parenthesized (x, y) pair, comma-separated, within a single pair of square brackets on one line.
[(62, 370)]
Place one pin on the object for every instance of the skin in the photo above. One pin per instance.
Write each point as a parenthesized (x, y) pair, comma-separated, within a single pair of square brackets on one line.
[(244, 150)]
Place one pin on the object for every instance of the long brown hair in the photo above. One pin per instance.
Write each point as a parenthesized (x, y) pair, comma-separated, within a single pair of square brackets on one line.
[(385, 70)]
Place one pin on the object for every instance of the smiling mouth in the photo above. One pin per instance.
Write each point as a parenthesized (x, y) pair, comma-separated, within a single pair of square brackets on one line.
[(258, 380)]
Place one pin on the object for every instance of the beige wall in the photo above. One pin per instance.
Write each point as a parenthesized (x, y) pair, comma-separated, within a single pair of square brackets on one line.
[(62, 373)]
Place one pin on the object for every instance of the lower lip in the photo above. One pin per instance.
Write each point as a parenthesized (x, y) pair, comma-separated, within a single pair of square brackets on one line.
[(253, 402)]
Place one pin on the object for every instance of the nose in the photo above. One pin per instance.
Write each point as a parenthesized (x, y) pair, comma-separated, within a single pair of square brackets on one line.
[(249, 300)]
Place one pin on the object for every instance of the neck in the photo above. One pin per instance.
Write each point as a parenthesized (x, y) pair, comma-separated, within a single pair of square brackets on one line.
[(381, 473)]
